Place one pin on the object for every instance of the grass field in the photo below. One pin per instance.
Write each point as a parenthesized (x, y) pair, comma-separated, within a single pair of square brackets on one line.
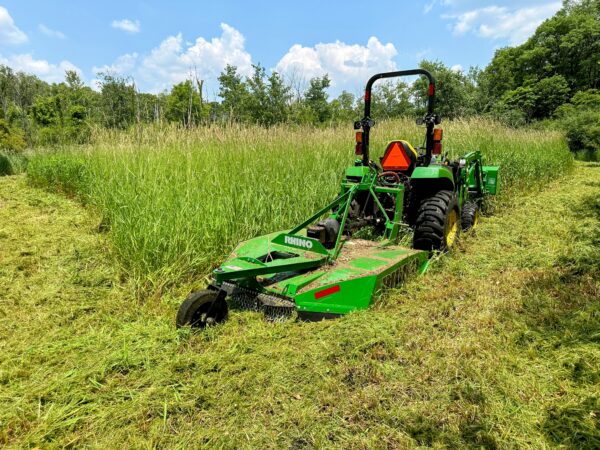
[(497, 347), (176, 201)]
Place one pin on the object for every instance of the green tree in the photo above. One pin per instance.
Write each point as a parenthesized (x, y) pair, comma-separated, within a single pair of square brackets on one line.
[(62, 115), (301, 113), (566, 45), (117, 100), (392, 99), (551, 92), (279, 95), (11, 138), (580, 119), (8, 83), (535, 100), (19, 90), (234, 94), (45, 111), (316, 98), (150, 107), (589, 99), (523, 99), (78, 94), (183, 104), (583, 131), (455, 91), (258, 98), (343, 108)]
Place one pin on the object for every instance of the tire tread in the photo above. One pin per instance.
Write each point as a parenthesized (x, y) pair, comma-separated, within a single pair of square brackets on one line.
[(432, 219)]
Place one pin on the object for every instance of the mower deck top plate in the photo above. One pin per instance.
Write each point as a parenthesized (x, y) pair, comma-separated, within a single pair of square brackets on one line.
[(359, 258)]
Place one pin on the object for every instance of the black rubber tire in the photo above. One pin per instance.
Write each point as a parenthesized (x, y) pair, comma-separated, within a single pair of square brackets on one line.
[(201, 309), (432, 224), (469, 215)]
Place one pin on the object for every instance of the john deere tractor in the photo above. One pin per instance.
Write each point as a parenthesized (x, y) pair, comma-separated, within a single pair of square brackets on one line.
[(325, 267)]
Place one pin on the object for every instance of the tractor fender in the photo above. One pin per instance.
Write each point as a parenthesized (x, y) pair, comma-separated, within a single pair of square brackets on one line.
[(437, 176)]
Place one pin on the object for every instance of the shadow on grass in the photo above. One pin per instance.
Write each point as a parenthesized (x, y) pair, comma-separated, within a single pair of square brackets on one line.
[(562, 314), (591, 164), (474, 433)]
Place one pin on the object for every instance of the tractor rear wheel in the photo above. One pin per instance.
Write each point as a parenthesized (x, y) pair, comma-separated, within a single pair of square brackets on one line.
[(438, 222), (470, 216), (201, 309)]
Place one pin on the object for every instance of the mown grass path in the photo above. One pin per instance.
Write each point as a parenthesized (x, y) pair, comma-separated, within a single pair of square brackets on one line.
[(496, 347)]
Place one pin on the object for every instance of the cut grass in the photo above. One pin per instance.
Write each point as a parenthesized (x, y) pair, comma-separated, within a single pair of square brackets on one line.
[(496, 347), (176, 201)]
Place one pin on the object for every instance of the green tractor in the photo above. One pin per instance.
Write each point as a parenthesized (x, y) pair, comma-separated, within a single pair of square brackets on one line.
[(324, 267)]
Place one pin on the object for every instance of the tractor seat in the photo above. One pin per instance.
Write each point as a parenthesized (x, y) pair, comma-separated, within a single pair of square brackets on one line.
[(399, 156)]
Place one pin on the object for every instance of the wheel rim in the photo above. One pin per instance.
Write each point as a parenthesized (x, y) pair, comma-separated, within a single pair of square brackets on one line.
[(475, 218), (452, 228), (205, 315)]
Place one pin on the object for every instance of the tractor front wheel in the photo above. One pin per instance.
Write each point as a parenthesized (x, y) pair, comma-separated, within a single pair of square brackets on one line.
[(438, 222), (201, 309), (470, 216)]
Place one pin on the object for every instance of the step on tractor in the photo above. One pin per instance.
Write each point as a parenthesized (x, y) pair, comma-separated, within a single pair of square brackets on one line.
[(340, 258)]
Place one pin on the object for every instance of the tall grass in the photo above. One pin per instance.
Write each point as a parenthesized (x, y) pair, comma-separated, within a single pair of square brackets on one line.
[(176, 201), (12, 163)]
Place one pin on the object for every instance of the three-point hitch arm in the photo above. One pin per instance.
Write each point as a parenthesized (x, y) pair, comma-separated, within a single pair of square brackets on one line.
[(431, 119)]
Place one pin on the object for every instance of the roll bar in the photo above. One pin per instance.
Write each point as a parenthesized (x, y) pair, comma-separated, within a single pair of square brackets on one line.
[(430, 119)]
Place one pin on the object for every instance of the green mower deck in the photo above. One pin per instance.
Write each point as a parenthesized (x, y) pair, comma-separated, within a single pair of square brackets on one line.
[(309, 283)]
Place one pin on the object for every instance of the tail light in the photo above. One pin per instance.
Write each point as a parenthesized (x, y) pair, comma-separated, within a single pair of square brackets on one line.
[(359, 143), (438, 133)]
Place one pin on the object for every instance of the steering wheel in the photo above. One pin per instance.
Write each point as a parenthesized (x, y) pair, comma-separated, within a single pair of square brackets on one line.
[(388, 174)]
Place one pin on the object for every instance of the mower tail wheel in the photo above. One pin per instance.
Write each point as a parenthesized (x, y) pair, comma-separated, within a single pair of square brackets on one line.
[(201, 309), (438, 222), (470, 216)]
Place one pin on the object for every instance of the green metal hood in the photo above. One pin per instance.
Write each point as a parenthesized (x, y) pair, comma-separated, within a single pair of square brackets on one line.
[(433, 171)]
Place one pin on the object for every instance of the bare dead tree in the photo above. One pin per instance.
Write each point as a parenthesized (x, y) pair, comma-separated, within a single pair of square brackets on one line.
[(191, 101), (199, 85), (297, 81)]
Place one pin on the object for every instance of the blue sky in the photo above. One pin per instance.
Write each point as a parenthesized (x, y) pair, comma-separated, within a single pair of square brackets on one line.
[(160, 43)]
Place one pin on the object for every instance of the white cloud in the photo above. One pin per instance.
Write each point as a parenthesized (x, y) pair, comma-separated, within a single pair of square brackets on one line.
[(123, 64), (173, 60), (422, 53), (348, 66), (9, 32), (50, 32), (52, 73), (457, 68), (499, 22), (129, 26), (430, 5)]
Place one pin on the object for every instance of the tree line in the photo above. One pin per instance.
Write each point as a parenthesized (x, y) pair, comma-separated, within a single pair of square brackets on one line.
[(554, 75)]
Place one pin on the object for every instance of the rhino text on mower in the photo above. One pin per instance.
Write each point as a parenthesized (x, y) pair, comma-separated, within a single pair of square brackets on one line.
[(318, 268)]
